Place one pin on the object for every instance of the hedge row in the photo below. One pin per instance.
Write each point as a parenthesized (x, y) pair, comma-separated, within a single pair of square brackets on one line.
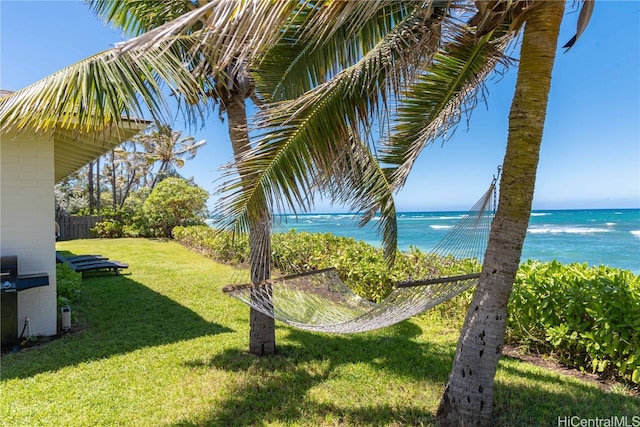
[(588, 316), (360, 265)]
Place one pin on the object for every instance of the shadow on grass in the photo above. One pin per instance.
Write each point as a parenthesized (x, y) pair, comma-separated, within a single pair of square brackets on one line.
[(537, 398), (281, 388), (118, 315), (273, 389)]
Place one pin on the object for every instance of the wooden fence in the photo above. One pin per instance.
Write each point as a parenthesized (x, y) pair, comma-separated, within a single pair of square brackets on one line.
[(76, 227)]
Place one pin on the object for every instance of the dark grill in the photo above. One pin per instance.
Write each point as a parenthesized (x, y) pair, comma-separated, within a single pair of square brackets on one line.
[(10, 284)]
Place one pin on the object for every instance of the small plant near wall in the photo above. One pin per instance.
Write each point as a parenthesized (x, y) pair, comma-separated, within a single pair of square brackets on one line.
[(68, 287)]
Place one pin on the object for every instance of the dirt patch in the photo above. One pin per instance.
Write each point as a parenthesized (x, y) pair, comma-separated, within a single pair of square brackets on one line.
[(553, 365)]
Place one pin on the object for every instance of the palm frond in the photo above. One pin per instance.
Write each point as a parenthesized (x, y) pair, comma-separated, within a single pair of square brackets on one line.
[(231, 33), (296, 65), (583, 21), (448, 89), (135, 17), (109, 87), (357, 176), (305, 140)]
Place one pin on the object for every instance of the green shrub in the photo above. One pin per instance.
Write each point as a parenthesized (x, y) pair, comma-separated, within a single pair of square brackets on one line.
[(220, 245), (361, 266), (128, 221), (174, 202), (68, 285), (588, 316), (108, 228)]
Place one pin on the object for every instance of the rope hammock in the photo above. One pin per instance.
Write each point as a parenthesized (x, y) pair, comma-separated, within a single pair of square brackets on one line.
[(320, 301)]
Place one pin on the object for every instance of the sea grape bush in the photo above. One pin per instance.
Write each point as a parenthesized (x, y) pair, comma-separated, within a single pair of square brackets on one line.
[(221, 246), (174, 202), (589, 317), (361, 266)]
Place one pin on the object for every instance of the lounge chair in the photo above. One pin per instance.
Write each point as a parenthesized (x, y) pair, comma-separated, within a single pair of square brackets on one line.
[(91, 265), (84, 258)]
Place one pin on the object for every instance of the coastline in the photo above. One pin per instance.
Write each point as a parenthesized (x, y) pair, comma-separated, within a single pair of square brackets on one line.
[(595, 236)]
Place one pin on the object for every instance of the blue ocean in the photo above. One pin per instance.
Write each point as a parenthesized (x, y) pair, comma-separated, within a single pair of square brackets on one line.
[(598, 236)]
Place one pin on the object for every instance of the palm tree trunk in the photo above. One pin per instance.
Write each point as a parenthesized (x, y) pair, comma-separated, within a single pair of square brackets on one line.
[(114, 194), (98, 190), (90, 188), (468, 396), (262, 328)]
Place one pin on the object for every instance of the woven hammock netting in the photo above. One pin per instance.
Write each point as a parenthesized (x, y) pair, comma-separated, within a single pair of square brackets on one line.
[(320, 301)]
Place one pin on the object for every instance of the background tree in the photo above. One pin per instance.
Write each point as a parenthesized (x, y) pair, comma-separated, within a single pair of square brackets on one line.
[(133, 173), (174, 202), (126, 169), (169, 148), (90, 188), (71, 193)]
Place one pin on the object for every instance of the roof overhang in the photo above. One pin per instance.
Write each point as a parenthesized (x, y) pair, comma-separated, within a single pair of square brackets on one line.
[(75, 147)]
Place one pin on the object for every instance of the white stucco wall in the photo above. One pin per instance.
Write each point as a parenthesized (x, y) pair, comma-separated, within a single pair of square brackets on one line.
[(27, 215)]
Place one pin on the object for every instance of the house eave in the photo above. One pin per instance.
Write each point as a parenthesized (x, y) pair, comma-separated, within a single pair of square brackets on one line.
[(76, 146)]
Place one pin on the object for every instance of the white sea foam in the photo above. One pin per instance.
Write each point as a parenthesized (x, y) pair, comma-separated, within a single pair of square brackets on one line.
[(636, 233), (540, 214), (555, 229), (441, 227)]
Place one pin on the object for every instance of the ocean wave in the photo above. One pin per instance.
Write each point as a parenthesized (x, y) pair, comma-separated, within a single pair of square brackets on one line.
[(635, 233), (567, 230), (441, 227), (540, 213), (429, 217)]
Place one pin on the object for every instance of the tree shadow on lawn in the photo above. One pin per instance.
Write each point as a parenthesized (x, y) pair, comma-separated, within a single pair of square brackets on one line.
[(118, 315), (274, 388), (528, 397)]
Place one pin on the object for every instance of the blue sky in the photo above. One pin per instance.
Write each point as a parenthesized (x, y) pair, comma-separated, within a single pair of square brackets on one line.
[(590, 155)]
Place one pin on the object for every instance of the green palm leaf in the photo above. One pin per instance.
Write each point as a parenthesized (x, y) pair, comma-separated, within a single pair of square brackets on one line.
[(135, 17), (296, 65), (230, 34), (109, 88), (309, 139), (449, 87)]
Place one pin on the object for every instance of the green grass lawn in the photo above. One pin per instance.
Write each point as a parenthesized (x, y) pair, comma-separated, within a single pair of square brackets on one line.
[(162, 346)]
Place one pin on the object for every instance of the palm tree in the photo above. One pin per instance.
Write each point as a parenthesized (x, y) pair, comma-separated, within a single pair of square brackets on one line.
[(164, 145), (230, 85), (468, 396), (131, 170), (227, 86)]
